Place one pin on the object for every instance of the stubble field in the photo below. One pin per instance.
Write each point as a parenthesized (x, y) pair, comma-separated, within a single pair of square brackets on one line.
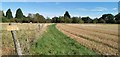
[(102, 38)]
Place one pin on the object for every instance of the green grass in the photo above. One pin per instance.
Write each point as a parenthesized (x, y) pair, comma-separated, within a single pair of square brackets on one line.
[(54, 42)]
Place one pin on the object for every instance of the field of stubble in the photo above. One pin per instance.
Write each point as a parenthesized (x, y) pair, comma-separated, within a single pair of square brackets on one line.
[(102, 38)]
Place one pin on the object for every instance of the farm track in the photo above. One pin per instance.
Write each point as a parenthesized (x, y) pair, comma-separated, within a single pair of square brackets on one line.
[(102, 46), (97, 29), (54, 42)]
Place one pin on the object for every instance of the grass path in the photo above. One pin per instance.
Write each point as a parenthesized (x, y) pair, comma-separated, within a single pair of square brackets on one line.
[(54, 42)]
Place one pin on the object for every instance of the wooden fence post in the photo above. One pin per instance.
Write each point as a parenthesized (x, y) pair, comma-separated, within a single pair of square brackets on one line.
[(0, 44), (16, 43)]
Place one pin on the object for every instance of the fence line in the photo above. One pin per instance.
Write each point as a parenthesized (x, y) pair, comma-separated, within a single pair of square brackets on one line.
[(16, 43), (0, 44)]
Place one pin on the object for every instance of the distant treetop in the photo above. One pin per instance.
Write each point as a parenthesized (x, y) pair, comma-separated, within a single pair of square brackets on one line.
[(67, 14), (19, 14)]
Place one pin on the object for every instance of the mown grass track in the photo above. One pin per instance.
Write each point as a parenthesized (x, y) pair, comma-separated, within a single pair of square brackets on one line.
[(54, 42)]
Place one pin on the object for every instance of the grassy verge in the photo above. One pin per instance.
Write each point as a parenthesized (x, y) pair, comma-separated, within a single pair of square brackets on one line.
[(54, 42)]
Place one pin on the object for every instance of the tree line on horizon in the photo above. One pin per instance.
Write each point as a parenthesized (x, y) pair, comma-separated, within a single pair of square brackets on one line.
[(37, 18)]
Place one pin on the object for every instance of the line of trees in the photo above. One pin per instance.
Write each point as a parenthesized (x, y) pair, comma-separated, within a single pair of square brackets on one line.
[(37, 18), (21, 18)]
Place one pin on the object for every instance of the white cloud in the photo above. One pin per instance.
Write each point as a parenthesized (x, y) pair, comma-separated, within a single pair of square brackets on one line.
[(99, 9), (115, 9)]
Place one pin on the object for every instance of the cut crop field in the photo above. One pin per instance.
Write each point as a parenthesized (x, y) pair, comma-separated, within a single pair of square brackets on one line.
[(102, 38)]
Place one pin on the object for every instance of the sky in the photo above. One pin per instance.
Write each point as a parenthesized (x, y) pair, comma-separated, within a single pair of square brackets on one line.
[(51, 9), (60, 0)]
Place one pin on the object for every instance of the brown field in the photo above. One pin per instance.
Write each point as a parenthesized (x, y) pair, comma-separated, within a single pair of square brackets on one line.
[(102, 38)]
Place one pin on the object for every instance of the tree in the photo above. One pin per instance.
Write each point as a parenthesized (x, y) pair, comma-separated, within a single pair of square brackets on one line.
[(26, 20), (87, 19), (9, 14), (75, 19), (95, 20), (117, 18), (67, 20), (62, 20), (12, 20), (4, 19), (67, 14), (48, 20), (37, 18), (55, 20), (3, 15), (19, 14), (41, 19), (81, 21), (30, 15), (109, 18), (67, 17), (101, 20)]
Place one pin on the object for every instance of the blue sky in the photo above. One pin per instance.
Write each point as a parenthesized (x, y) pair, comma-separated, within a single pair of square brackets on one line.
[(60, 0), (51, 9)]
